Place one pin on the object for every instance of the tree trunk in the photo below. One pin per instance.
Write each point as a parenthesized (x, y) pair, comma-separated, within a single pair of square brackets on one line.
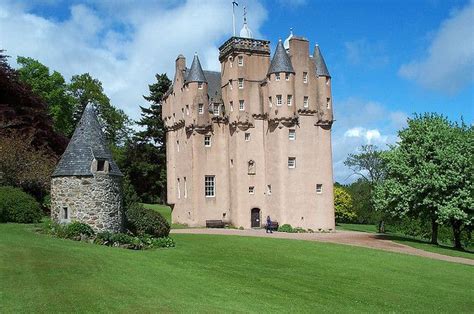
[(456, 224), (434, 231)]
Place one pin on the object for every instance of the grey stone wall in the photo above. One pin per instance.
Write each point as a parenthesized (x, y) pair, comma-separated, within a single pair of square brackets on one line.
[(96, 201)]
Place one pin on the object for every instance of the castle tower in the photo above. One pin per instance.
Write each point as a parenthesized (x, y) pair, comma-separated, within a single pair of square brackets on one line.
[(86, 184)]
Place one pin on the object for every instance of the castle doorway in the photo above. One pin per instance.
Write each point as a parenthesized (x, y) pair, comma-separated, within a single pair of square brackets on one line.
[(255, 218)]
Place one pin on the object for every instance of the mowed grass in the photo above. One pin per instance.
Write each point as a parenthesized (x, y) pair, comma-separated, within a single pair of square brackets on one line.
[(164, 210), (207, 273)]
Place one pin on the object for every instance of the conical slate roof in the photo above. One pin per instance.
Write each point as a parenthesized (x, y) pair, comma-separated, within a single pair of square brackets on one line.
[(281, 61), (321, 68), (87, 142), (195, 74)]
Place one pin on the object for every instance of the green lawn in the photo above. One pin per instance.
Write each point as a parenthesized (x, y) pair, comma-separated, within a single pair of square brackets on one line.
[(207, 273), (162, 209), (357, 227)]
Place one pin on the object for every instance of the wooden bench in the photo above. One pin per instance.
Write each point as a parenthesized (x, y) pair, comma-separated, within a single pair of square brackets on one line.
[(215, 224), (274, 226)]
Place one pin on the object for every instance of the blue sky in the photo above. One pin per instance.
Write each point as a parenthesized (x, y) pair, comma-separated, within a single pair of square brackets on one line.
[(388, 59)]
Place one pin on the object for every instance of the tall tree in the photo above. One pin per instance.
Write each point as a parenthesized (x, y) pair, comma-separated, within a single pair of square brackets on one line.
[(430, 174), (367, 164), (145, 156), (85, 89), (50, 87), (343, 205)]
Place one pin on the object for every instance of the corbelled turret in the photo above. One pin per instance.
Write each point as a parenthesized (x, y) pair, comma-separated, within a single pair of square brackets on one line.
[(87, 144), (281, 61), (321, 68), (196, 73)]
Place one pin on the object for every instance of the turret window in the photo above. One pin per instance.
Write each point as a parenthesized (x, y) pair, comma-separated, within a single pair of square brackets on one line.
[(101, 166), (207, 140), (231, 106), (269, 189), (291, 162), (230, 84), (187, 110), (247, 137), (241, 83), (279, 100), (65, 213), (287, 76), (305, 102), (241, 61), (200, 85), (216, 109), (305, 77), (291, 134), (270, 101), (328, 103), (177, 146), (289, 100), (277, 76), (201, 108), (241, 105), (327, 80), (319, 188)]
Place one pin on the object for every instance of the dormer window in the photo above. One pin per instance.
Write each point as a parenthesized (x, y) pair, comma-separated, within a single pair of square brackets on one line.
[(216, 109), (277, 76), (200, 85), (101, 166)]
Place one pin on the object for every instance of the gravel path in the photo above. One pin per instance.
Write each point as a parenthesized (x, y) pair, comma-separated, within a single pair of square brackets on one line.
[(369, 240)]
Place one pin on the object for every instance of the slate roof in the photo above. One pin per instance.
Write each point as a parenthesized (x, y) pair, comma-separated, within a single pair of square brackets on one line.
[(281, 61), (213, 79), (195, 74), (321, 68), (87, 142)]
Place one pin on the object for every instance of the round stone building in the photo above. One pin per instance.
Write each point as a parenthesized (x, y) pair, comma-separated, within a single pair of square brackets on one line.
[(86, 184)]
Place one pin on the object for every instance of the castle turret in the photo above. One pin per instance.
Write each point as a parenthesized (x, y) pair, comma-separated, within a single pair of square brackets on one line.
[(196, 97), (325, 113), (86, 184)]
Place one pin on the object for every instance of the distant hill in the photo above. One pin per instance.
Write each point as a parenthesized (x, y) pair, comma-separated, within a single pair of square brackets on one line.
[(24, 114)]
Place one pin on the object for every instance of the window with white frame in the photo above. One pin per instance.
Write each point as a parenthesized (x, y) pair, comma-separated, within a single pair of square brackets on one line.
[(185, 188), (201, 108), (210, 186), (305, 77), (241, 61), (291, 162), (270, 101), (287, 76), (187, 110), (292, 134), (328, 103), (319, 188), (179, 189), (241, 83), (289, 100), (279, 100), (251, 190), (305, 102), (207, 140), (231, 106), (277, 76), (216, 109), (241, 105), (247, 137), (269, 189), (230, 84)]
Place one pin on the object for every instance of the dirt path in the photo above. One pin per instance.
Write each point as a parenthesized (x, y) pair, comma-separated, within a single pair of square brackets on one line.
[(369, 240)]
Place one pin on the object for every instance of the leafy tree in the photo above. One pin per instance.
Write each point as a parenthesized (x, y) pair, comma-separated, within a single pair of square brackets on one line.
[(343, 205), (84, 90), (429, 174), (52, 89), (368, 163), (360, 192)]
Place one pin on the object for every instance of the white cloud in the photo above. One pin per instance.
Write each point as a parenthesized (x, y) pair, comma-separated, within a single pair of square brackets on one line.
[(369, 54), (449, 62), (123, 44)]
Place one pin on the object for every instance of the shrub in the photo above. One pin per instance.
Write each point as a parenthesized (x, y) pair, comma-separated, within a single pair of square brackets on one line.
[(130, 242), (299, 230), (285, 228), (76, 230), (141, 221), (163, 242), (18, 206)]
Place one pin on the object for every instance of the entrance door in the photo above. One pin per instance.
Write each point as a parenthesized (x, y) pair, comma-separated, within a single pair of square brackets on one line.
[(255, 218)]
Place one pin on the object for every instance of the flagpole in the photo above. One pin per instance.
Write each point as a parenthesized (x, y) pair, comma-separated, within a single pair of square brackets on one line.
[(233, 17)]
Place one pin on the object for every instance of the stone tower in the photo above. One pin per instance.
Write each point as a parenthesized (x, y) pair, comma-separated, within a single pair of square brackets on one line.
[(86, 184)]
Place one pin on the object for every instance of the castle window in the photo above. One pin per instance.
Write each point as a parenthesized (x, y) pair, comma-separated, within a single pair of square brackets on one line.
[(327, 81), (207, 140), (231, 106), (65, 213), (216, 109), (247, 137), (279, 101), (328, 103), (174, 117), (305, 77), (291, 162), (241, 83), (241, 105), (241, 61), (231, 163), (252, 167), (319, 188), (251, 190), (277, 76), (291, 134), (187, 110), (182, 112), (287, 76), (270, 101), (305, 102), (210, 186), (185, 188), (177, 145), (179, 190), (100, 164), (269, 189), (289, 99), (201, 108), (230, 84), (200, 85)]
